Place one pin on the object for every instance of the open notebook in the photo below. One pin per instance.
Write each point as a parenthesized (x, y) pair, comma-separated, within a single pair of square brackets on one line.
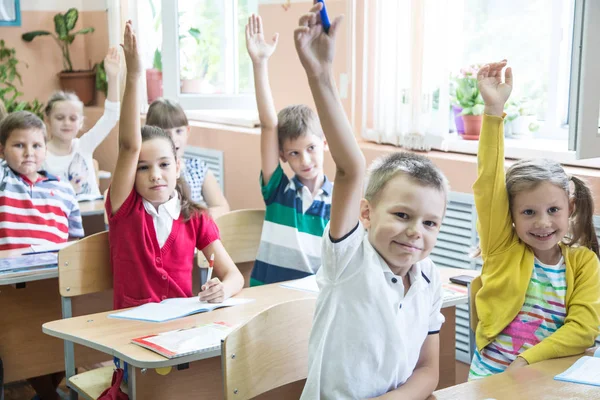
[(586, 370), (183, 342), (27, 262), (174, 308)]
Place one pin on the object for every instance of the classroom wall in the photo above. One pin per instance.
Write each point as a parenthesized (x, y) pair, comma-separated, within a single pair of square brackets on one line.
[(43, 56)]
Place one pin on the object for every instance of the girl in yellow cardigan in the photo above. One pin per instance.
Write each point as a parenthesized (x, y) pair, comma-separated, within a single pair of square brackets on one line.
[(540, 297)]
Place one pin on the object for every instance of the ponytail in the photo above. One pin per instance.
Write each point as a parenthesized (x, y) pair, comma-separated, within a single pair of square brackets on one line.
[(582, 221), (189, 208)]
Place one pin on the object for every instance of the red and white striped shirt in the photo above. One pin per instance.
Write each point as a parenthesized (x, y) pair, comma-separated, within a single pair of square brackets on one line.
[(36, 213)]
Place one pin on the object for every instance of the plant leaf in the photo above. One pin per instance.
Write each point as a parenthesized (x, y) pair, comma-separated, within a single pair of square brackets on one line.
[(29, 36), (84, 31), (71, 17), (157, 62), (60, 26)]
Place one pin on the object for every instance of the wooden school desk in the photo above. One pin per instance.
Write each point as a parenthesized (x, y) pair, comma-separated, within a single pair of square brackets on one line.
[(27, 300), (533, 382), (198, 375), (94, 207)]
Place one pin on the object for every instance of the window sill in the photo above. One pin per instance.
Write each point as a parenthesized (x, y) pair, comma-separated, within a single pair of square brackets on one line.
[(241, 118), (554, 149)]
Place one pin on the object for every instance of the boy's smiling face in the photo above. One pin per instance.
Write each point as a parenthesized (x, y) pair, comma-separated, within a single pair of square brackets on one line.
[(304, 155), (403, 221)]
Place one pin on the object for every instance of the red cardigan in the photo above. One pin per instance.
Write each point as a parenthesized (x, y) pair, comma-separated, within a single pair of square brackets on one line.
[(142, 271)]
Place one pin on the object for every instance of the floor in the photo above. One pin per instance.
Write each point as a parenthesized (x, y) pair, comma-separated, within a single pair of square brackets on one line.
[(22, 390)]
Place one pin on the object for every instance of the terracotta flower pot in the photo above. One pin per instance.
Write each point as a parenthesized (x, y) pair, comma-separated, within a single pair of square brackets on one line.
[(154, 84), (82, 83), (472, 126)]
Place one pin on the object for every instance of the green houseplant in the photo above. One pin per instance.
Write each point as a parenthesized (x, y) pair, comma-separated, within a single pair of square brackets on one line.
[(9, 94), (467, 96), (82, 82)]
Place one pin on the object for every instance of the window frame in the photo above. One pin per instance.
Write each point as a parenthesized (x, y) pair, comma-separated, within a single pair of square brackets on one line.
[(171, 63)]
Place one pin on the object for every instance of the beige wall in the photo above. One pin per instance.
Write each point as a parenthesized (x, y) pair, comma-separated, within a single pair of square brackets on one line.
[(43, 54)]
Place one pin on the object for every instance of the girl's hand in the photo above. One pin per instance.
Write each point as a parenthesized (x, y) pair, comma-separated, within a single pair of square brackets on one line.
[(493, 91), (112, 63), (315, 47), (132, 56), (213, 291), (518, 363), (258, 49)]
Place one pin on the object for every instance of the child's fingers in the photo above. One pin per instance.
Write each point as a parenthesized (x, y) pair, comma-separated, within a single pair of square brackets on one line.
[(305, 19), (508, 77), (275, 39), (317, 6), (259, 25), (211, 283), (334, 25)]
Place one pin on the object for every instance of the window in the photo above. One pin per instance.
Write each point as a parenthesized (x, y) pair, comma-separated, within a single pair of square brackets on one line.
[(201, 44), (415, 47)]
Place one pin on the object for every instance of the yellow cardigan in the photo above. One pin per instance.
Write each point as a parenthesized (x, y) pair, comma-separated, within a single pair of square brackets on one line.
[(508, 264)]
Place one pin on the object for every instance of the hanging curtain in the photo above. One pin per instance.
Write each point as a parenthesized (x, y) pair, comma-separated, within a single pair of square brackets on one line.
[(409, 74)]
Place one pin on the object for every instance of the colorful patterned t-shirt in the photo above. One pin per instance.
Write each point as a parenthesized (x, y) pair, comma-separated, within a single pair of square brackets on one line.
[(542, 314)]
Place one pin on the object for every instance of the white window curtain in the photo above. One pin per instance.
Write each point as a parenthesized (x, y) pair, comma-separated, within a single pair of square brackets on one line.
[(410, 74)]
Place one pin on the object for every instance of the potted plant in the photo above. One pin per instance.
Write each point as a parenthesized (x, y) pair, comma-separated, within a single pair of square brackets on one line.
[(82, 82), (469, 98), (9, 94), (154, 82), (194, 65)]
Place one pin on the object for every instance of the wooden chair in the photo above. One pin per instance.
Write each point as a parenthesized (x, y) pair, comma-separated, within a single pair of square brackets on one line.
[(473, 287), (84, 268), (269, 351), (240, 233)]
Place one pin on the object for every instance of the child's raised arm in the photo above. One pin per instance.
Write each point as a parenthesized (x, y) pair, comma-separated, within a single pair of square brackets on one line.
[(494, 222), (260, 51), (112, 66), (316, 50), (130, 139)]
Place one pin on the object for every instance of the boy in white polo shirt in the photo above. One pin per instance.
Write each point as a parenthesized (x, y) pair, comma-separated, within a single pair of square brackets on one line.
[(377, 319)]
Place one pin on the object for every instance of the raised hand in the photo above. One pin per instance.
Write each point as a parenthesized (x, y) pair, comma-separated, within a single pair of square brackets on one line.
[(258, 49), (494, 92), (130, 49), (112, 63), (315, 47)]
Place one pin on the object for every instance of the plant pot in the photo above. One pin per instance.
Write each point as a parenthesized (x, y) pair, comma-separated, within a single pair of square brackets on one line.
[(191, 86), (82, 83), (472, 126), (154, 84), (458, 121), (525, 125)]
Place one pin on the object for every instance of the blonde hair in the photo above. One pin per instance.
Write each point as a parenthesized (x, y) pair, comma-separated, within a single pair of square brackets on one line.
[(166, 114), (295, 121), (20, 120), (525, 175), (419, 168), (61, 96), (188, 207)]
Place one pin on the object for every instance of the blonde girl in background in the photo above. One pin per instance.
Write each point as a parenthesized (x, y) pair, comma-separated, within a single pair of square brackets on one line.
[(69, 156)]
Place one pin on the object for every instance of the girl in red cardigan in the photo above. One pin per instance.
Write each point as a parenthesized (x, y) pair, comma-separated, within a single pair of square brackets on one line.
[(154, 226)]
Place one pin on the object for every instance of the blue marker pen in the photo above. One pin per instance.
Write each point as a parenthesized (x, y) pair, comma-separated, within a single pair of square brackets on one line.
[(324, 17)]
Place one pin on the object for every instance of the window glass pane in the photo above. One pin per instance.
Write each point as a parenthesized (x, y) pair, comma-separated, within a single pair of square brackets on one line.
[(202, 46), (150, 44), (246, 80), (534, 36)]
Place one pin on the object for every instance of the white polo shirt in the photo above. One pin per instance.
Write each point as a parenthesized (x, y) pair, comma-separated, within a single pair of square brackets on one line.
[(366, 335)]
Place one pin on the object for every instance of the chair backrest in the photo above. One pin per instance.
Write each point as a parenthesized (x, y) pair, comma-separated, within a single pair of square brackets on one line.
[(84, 266), (269, 351), (240, 234), (473, 289)]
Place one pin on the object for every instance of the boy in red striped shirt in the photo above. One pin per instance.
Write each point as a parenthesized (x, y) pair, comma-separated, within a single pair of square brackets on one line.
[(36, 208)]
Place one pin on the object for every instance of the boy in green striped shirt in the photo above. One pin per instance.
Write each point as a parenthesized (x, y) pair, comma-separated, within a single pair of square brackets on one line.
[(297, 209)]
